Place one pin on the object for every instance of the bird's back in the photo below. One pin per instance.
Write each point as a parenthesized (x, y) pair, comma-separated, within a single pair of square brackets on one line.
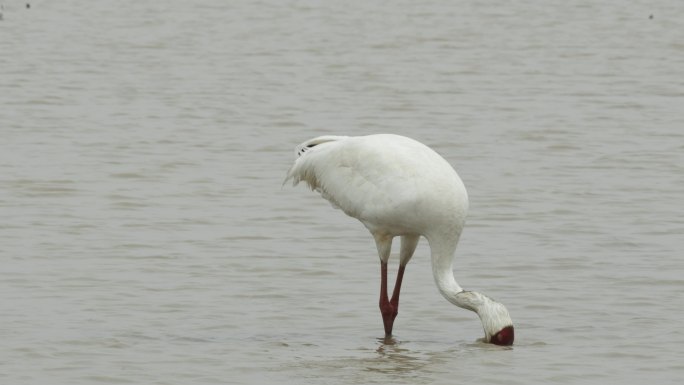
[(391, 183)]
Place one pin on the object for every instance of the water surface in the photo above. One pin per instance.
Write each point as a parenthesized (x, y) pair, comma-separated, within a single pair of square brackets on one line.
[(146, 238)]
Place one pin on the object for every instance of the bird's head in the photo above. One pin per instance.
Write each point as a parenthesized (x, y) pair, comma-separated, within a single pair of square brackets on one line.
[(504, 337), (496, 321)]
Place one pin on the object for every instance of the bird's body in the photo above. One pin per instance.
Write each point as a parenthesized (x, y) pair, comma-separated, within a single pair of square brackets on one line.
[(378, 180), (397, 186)]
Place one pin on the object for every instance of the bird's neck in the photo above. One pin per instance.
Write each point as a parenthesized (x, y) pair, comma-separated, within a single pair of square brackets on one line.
[(442, 250), (493, 315)]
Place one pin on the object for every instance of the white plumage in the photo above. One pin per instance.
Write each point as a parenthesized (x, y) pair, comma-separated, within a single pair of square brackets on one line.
[(397, 186)]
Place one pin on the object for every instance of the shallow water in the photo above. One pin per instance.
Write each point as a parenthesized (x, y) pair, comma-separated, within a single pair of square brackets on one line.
[(146, 238)]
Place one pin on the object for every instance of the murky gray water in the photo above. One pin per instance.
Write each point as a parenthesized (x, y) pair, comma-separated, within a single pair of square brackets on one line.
[(145, 236)]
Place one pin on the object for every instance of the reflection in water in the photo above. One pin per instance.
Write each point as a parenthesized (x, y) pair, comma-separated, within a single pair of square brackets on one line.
[(419, 359), (395, 357), (392, 360)]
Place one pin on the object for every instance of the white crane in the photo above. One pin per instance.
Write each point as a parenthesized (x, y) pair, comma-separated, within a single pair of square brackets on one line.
[(397, 186)]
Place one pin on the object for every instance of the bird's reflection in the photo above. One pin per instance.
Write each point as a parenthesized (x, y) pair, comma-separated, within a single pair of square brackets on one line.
[(387, 340), (394, 356)]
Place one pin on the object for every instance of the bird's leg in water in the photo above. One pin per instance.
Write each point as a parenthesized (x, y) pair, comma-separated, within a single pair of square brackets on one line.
[(385, 306), (389, 308), (397, 288)]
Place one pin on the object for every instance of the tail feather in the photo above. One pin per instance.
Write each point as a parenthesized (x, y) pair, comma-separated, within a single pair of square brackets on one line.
[(303, 168), (302, 148)]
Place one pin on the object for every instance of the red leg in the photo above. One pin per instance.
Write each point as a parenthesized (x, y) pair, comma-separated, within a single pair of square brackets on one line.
[(389, 308), (397, 288), (385, 306)]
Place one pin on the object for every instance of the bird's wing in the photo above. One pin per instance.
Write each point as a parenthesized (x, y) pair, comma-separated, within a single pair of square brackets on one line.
[(354, 174)]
